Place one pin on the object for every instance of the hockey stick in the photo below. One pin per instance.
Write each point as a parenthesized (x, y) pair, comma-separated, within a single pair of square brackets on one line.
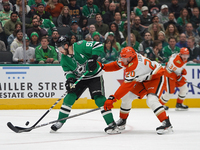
[(192, 84), (54, 103), (21, 129)]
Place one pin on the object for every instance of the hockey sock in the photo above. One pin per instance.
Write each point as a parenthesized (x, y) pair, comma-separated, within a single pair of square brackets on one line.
[(64, 112), (180, 101), (107, 115), (161, 102), (162, 116), (66, 106)]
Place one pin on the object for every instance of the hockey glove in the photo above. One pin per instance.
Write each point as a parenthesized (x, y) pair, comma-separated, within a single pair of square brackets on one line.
[(179, 78), (184, 72), (92, 63), (69, 85), (109, 102)]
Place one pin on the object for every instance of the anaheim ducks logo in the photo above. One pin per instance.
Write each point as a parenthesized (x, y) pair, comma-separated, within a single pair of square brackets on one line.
[(130, 64), (178, 62)]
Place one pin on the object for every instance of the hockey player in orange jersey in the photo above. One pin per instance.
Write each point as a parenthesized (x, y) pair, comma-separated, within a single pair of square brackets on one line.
[(175, 69), (142, 77)]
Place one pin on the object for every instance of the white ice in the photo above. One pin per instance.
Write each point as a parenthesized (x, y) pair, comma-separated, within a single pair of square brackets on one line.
[(87, 132)]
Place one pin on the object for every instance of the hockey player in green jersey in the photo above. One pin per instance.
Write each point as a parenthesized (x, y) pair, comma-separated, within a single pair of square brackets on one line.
[(76, 60)]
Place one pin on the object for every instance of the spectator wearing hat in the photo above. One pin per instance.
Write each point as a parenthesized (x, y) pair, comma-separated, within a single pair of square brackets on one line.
[(101, 27), (115, 44), (29, 54), (5, 13), (75, 10), (34, 40), (137, 26), (74, 30), (145, 18), (163, 14), (155, 19), (41, 32), (154, 7), (17, 41), (54, 8), (46, 54), (135, 32), (90, 10), (42, 13), (175, 8), (96, 36), (4, 2)]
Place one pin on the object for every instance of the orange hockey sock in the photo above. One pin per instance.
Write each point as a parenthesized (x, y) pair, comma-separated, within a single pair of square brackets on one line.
[(180, 101), (123, 115), (162, 116)]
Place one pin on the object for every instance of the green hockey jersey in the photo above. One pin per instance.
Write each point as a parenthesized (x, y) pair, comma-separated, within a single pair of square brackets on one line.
[(77, 64)]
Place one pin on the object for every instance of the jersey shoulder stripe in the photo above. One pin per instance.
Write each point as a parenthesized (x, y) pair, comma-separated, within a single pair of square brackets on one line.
[(96, 45)]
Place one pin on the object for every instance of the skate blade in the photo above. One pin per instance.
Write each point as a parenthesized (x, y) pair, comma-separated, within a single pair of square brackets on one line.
[(52, 131), (181, 109), (165, 131), (115, 131), (121, 127)]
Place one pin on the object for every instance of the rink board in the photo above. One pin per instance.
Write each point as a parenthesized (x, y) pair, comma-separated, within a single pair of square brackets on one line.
[(39, 87)]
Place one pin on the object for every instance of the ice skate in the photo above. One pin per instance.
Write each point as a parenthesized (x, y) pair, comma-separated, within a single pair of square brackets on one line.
[(112, 129), (56, 126), (121, 123), (166, 127), (165, 107), (180, 106)]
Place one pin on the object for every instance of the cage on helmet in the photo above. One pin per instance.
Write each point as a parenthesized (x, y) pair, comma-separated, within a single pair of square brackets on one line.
[(184, 51), (127, 52)]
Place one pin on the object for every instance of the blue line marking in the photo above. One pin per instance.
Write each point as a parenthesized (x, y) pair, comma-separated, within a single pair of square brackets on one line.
[(15, 72), (16, 67)]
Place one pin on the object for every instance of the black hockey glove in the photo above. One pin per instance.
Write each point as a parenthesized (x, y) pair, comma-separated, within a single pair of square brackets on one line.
[(69, 85), (92, 63)]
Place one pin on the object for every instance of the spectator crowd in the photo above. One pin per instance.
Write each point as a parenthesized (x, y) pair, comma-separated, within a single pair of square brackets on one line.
[(158, 29)]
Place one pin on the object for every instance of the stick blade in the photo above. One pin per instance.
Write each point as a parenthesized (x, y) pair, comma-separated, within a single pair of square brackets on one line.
[(17, 129)]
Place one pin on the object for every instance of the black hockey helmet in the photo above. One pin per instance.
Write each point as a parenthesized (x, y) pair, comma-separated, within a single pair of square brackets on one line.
[(62, 41)]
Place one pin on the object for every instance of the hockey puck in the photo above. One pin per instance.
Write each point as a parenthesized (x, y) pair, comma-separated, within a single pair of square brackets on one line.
[(27, 123)]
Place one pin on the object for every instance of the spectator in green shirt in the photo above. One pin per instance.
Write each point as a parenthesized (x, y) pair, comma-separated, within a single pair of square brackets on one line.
[(110, 53), (90, 10), (134, 43), (45, 53), (170, 49), (184, 17)]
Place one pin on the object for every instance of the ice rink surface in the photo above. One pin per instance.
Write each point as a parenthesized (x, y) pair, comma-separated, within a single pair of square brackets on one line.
[(87, 132)]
